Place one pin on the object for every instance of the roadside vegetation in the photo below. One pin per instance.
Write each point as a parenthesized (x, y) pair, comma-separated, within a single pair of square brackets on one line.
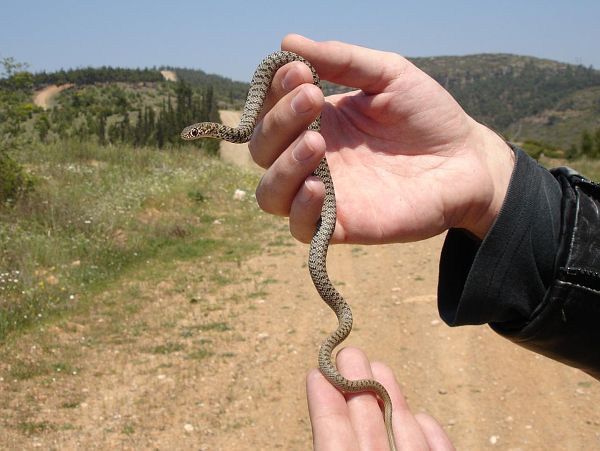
[(90, 193), (98, 212)]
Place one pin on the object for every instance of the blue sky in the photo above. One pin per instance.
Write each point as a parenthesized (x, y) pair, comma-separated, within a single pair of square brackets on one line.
[(230, 37)]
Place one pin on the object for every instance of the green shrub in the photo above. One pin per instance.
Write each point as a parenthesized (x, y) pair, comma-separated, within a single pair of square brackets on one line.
[(536, 148), (13, 180)]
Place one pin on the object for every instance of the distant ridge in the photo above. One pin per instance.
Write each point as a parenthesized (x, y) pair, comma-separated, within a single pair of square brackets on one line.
[(522, 97)]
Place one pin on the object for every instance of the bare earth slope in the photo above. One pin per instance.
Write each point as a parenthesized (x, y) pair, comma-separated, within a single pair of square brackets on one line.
[(43, 98), (169, 75)]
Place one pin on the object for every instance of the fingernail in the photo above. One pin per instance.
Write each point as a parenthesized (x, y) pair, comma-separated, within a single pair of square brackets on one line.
[(302, 151), (291, 80), (309, 189), (301, 103)]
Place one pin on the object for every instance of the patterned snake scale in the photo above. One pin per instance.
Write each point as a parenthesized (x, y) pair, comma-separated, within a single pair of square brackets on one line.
[(317, 258)]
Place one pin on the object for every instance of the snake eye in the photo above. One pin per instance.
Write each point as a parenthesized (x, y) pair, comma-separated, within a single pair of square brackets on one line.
[(194, 132)]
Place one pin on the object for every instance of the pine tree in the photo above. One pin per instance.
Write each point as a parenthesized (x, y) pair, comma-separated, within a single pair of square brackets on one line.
[(171, 124), (102, 129), (149, 124), (138, 131), (42, 126), (160, 134), (572, 152), (587, 144), (125, 129), (597, 143)]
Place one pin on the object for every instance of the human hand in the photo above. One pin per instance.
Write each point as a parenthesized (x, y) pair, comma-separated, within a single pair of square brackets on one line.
[(355, 422), (407, 162)]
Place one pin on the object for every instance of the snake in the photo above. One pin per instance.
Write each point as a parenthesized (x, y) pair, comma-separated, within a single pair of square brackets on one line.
[(317, 256)]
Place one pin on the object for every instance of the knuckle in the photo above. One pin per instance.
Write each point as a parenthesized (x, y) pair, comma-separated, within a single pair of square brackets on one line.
[(300, 233), (382, 370), (269, 199), (261, 198), (383, 373), (351, 353), (257, 151)]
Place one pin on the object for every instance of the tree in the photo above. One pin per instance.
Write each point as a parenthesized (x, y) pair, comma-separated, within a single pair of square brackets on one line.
[(102, 129), (15, 94), (42, 126), (597, 143), (572, 152), (15, 107), (125, 129), (587, 144)]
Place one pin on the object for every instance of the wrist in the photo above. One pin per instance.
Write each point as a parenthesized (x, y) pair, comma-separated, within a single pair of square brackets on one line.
[(496, 162)]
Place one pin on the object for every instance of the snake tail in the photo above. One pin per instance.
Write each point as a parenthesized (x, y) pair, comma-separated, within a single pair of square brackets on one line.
[(317, 261)]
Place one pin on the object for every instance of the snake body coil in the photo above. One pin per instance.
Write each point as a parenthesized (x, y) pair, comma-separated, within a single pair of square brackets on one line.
[(317, 258)]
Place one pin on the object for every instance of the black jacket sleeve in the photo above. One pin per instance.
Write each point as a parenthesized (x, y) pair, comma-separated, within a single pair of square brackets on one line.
[(535, 278)]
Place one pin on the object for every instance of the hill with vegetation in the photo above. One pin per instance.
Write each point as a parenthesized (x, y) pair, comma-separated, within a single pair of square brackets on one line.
[(228, 93), (547, 106), (523, 97), (552, 104), (92, 75)]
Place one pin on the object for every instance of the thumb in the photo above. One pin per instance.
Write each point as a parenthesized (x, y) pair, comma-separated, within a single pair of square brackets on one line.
[(349, 65)]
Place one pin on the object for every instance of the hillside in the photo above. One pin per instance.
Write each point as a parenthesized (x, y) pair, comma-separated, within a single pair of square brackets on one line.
[(523, 97), (229, 94)]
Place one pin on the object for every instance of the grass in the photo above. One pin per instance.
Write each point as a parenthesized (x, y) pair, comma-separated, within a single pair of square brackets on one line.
[(590, 168), (24, 370), (98, 213), (167, 348), (128, 429), (216, 326), (35, 427), (200, 354)]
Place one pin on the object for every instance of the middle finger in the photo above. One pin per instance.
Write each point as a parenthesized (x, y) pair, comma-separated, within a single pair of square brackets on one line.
[(365, 413), (284, 122)]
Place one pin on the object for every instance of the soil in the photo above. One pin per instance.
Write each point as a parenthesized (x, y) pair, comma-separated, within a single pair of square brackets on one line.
[(43, 98), (231, 376), (169, 75), (237, 154)]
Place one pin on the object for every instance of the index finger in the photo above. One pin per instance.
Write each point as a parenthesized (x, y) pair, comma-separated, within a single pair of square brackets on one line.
[(349, 65), (286, 79)]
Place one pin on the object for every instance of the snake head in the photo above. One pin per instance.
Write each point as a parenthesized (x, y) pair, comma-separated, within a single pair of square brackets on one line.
[(191, 132)]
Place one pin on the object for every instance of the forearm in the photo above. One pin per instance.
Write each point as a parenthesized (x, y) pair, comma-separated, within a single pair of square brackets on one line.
[(520, 277)]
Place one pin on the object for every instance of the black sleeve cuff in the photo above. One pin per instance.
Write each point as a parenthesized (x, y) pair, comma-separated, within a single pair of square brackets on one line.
[(564, 326), (504, 278)]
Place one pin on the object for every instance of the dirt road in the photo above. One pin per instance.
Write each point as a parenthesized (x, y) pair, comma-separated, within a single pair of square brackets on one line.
[(256, 339), (194, 361), (237, 154), (43, 98)]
